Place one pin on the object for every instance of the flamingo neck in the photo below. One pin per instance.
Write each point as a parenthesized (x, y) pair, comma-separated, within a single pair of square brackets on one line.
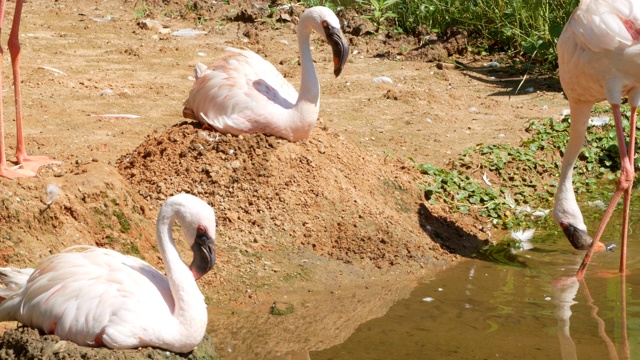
[(188, 298), (566, 208), (307, 105)]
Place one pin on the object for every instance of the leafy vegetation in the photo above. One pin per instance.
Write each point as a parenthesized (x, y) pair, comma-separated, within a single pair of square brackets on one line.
[(122, 220), (523, 179), (381, 11), (528, 28)]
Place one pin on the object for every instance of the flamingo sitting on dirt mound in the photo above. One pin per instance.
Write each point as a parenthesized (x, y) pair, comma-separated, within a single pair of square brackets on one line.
[(599, 58), (99, 297), (27, 165), (242, 93)]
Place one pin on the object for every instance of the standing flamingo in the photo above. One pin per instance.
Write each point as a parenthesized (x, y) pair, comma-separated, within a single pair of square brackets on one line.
[(599, 58), (99, 297), (27, 165), (243, 93)]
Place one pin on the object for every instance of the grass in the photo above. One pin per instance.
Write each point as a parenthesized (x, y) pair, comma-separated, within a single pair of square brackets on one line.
[(524, 178), (122, 220), (524, 30), (518, 28)]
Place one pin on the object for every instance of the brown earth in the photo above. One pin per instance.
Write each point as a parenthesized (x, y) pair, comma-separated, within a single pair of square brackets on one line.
[(334, 225)]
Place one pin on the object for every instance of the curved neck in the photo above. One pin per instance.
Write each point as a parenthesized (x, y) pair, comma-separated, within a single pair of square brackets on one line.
[(183, 285), (309, 84)]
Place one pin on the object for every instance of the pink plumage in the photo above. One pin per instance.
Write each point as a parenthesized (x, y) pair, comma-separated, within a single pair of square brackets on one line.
[(598, 58), (242, 93), (99, 297)]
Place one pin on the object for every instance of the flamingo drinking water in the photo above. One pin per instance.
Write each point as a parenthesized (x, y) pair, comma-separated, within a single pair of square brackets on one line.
[(599, 58), (242, 93)]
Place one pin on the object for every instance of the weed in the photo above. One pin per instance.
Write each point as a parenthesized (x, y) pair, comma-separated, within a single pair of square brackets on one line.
[(382, 10), (529, 28), (132, 249), (276, 308), (525, 177), (122, 220), (145, 11), (334, 5), (111, 240)]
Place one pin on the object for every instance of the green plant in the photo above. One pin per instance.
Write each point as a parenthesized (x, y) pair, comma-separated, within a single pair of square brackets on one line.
[(144, 11), (524, 178), (122, 220), (334, 5), (519, 28), (382, 10)]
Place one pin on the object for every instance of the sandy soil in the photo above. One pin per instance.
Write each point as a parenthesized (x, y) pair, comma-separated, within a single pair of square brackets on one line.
[(330, 224)]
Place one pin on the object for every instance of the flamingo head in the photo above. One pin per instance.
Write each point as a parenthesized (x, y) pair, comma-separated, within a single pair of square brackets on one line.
[(578, 238), (330, 30), (204, 252), (339, 46), (198, 222)]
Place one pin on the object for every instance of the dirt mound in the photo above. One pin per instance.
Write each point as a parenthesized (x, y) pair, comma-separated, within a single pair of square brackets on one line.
[(322, 194), (85, 204)]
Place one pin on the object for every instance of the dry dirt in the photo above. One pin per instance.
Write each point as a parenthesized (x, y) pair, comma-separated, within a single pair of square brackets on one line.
[(334, 225)]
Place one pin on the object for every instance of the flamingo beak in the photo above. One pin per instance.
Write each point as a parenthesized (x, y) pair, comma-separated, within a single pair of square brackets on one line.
[(204, 253), (339, 46), (578, 238)]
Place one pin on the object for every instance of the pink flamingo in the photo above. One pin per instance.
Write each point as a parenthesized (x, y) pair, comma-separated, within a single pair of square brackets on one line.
[(243, 93), (27, 165), (598, 57), (99, 297)]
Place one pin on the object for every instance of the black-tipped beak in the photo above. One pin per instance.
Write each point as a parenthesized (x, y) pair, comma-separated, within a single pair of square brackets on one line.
[(204, 253), (578, 238), (339, 46)]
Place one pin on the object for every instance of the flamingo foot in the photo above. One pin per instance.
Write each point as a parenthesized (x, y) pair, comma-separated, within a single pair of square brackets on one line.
[(33, 163), (15, 172), (610, 273)]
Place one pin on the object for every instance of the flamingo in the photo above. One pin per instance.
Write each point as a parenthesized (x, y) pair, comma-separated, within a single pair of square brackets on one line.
[(27, 165), (99, 297), (243, 93), (598, 58)]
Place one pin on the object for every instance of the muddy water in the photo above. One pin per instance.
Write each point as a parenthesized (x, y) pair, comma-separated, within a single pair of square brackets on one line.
[(522, 306), (523, 310)]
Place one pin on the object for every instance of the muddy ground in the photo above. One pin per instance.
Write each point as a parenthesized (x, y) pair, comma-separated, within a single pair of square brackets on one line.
[(334, 225)]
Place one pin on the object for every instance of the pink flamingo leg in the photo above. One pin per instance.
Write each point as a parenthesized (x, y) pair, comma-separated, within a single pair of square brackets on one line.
[(627, 192), (5, 171), (29, 164), (624, 185)]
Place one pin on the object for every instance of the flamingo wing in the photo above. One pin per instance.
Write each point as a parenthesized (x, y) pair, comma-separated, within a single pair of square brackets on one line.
[(95, 297), (606, 25), (14, 280), (241, 93)]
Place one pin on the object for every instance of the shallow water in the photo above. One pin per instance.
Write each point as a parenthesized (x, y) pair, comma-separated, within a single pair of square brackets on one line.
[(529, 309), (522, 306)]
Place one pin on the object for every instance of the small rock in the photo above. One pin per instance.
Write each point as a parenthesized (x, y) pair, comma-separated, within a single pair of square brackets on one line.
[(445, 66), (148, 24)]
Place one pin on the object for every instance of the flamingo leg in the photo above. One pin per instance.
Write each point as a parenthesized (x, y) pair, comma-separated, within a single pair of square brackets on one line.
[(624, 186), (29, 164), (5, 170), (627, 192)]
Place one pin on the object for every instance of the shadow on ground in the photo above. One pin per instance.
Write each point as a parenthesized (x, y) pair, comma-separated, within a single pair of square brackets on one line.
[(448, 234)]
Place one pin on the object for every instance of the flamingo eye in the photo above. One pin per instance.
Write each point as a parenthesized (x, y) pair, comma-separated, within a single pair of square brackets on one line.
[(201, 229), (325, 23)]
